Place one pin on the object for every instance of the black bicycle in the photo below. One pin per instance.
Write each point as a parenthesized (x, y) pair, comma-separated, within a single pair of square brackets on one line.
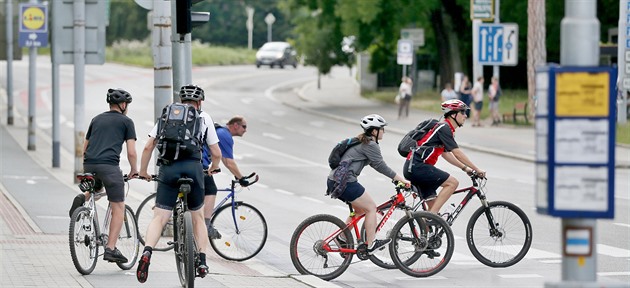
[(86, 235)]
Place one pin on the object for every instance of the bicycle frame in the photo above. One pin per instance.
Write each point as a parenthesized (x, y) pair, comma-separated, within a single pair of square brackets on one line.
[(471, 192), (394, 202), (232, 196)]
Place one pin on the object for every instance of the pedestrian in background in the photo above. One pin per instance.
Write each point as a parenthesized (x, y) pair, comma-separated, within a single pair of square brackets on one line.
[(404, 91), (477, 97), (494, 93), (464, 93), (448, 93)]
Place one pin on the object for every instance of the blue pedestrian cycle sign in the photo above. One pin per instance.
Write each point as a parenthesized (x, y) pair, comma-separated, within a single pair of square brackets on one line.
[(498, 44)]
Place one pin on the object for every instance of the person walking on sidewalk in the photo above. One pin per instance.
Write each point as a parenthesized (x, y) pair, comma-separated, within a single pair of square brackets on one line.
[(494, 93), (237, 126), (448, 93), (353, 161), (186, 164), (405, 92), (102, 147), (477, 94), (420, 168), (465, 90)]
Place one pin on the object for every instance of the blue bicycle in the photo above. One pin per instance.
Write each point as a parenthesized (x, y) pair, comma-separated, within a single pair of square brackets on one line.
[(243, 228)]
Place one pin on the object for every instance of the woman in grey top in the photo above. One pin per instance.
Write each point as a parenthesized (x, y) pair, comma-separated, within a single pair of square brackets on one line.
[(359, 156)]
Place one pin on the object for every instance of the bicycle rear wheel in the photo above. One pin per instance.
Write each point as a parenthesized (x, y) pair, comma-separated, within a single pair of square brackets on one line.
[(423, 245), (506, 242), (128, 242), (143, 219), (83, 233), (307, 247), (243, 231), (185, 250), (382, 258)]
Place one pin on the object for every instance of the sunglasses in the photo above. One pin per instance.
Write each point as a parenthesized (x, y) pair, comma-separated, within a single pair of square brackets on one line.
[(244, 126)]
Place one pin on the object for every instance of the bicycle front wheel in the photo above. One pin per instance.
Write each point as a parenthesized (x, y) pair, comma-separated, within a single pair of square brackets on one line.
[(128, 242), (422, 245), (243, 231), (506, 241), (143, 219), (83, 233), (308, 249)]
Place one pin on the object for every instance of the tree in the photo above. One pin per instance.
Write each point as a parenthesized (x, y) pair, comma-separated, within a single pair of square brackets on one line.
[(536, 46)]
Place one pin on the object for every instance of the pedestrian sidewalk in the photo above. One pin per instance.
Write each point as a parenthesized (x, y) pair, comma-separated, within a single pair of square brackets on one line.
[(339, 98)]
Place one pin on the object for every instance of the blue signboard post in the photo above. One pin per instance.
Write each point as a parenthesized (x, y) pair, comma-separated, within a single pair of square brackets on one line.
[(498, 44), (575, 142), (33, 25)]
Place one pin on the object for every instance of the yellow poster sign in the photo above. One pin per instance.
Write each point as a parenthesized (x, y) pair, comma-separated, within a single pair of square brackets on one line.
[(582, 94)]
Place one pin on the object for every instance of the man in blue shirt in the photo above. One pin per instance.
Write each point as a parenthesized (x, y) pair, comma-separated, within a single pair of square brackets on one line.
[(237, 126)]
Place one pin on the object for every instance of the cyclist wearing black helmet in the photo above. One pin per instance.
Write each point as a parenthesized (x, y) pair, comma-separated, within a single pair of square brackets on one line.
[(439, 141), (102, 147), (167, 188)]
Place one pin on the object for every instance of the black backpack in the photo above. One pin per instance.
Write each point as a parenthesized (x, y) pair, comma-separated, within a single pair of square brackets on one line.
[(179, 135), (337, 152), (410, 140)]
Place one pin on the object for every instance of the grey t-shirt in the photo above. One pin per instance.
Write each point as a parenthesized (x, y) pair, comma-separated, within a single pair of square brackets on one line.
[(362, 155), (107, 133)]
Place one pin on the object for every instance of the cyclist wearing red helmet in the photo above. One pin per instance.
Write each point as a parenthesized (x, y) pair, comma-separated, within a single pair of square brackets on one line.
[(440, 140)]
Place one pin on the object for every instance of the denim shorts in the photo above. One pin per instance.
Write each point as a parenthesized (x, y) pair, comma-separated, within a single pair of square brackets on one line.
[(353, 191), (426, 177)]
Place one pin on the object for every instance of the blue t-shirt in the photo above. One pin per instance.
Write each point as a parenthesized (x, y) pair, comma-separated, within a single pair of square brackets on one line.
[(226, 143)]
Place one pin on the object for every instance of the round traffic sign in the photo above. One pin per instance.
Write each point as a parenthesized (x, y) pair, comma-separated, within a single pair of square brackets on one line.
[(33, 18)]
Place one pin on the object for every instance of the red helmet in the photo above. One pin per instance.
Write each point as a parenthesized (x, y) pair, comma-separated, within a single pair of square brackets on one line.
[(453, 105)]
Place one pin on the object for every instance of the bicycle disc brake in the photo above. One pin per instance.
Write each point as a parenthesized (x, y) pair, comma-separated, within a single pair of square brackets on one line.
[(362, 252)]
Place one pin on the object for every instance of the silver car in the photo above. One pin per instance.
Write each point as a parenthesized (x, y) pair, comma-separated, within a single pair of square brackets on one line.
[(276, 53)]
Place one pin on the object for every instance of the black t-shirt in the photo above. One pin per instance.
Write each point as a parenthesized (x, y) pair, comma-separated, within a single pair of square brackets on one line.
[(107, 133), (440, 139)]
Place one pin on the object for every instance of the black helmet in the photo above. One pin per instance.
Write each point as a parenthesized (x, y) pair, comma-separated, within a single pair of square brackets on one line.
[(117, 96), (192, 93)]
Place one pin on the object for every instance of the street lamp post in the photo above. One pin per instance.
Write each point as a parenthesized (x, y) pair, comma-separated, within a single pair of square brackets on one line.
[(269, 19), (250, 26)]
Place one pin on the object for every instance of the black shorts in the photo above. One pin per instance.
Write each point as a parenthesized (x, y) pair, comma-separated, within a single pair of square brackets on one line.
[(427, 178), (210, 186), (168, 189), (110, 177), (353, 191), (478, 105)]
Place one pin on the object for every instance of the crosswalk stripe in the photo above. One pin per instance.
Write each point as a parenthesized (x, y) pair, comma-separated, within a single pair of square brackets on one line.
[(612, 251), (514, 276), (533, 253)]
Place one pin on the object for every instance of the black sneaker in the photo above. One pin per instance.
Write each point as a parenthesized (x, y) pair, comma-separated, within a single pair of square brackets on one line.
[(213, 233), (76, 203), (142, 273), (114, 256), (378, 245), (342, 243), (202, 270)]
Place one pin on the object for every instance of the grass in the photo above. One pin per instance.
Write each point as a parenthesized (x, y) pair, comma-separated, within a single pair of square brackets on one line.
[(430, 101)]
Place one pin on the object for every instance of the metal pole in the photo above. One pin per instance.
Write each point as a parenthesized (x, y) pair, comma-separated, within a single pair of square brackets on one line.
[(579, 46), (177, 41), (32, 89), (477, 68), (162, 57), (56, 144), (79, 85), (497, 20), (250, 26), (622, 49), (9, 20), (268, 32)]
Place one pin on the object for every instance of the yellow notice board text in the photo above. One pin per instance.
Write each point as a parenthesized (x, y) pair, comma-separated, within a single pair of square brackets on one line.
[(582, 94)]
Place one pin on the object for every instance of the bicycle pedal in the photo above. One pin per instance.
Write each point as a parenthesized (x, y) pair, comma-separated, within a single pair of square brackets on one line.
[(171, 242)]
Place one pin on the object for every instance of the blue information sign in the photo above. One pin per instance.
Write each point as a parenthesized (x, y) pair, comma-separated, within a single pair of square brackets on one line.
[(33, 25)]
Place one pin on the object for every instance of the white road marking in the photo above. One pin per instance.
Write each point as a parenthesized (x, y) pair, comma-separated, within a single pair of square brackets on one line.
[(53, 217), (312, 199), (272, 136), (284, 192), (552, 261), (516, 276), (317, 123), (422, 279), (612, 251), (613, 273), (533, 253), (260, 185), (278, 113), (622, 225), (149, 123)]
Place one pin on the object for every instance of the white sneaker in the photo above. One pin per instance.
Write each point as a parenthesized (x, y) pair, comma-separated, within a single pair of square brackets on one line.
[(378, 245)]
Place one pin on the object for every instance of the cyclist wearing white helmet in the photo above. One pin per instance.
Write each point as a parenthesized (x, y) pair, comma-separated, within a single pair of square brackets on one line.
[(357, 157), (439, 141)]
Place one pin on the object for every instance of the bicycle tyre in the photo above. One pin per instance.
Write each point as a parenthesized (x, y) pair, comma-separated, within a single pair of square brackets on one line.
[(143, 219), (382, 258), (189, 251), (414, 237), (306, 251), (245, 243), (128, 242), (82, 239), (502, 250)]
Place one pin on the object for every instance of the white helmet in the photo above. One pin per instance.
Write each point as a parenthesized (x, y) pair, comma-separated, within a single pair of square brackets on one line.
[(373, 121)]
